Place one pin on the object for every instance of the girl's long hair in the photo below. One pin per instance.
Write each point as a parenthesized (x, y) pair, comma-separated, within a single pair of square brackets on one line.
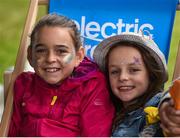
[(156, 82)]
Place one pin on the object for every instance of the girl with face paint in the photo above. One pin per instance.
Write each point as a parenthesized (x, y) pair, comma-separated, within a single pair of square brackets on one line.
[(136, 70), (67, 94)]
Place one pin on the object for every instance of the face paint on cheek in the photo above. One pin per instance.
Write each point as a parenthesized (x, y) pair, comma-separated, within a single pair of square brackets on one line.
[(68, 58), (35, 57), (34, 60), (37, 61)]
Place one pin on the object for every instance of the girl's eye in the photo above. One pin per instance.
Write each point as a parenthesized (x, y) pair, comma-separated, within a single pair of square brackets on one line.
[(114, 72), (61, 51), (40, 50), (134, 70)]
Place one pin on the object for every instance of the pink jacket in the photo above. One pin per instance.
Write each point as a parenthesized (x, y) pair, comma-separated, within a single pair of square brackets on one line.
[(82, 108)]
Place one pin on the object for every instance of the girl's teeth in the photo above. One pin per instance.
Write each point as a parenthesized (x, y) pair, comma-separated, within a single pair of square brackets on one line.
[(125, 88), (51, 70)]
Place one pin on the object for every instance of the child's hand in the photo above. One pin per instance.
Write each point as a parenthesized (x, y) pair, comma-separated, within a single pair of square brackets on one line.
[(170, 118)]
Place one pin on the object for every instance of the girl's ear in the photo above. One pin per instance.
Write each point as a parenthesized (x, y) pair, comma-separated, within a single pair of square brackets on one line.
[(79, 56), (29, 55)]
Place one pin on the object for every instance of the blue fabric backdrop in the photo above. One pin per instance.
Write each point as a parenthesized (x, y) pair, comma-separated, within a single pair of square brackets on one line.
[(98, 19)]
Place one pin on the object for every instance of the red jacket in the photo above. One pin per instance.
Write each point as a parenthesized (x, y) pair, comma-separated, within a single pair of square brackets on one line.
[(82, 108)]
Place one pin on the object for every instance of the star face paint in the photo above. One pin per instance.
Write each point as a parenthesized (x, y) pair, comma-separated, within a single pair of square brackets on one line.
[(135, 61)]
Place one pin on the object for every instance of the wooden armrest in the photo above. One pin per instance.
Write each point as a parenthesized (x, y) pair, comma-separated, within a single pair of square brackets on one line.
[(7, 80)]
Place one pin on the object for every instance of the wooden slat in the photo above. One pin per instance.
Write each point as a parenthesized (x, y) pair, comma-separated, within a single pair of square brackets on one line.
[(7, 80), (177, 64), (43, 2), (19, 66)]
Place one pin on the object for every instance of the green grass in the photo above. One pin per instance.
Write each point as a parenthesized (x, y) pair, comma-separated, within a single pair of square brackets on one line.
[(12, 20)]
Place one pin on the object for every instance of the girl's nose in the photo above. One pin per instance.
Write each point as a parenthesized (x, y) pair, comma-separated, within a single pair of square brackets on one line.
[(51, 57), (123, 76)]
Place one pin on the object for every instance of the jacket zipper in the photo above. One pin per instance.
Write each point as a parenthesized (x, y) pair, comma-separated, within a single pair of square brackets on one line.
[(53, 101)]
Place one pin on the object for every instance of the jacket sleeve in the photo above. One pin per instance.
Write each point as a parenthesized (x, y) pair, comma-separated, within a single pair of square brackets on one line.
[(16, 115), (97, 109), (166, 96)]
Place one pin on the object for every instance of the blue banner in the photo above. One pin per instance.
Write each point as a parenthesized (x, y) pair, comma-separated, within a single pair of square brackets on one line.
[(99, 19)]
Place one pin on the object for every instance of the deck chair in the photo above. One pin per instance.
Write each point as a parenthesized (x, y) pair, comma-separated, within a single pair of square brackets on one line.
[(96, 21)]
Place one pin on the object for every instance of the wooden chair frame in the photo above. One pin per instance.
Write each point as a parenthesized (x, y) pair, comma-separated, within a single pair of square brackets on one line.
[(19, 65), (9, 77)]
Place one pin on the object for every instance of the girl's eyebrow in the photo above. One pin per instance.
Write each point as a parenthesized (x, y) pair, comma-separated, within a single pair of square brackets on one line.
[(57, 46), (62, 46), (38, 45), (112, 65)]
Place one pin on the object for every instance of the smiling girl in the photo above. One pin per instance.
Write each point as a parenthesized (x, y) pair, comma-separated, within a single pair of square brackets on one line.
[(67, 95), (136, 70)]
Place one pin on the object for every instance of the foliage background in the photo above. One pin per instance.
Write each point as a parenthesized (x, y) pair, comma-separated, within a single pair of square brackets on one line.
[(12, 19)]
